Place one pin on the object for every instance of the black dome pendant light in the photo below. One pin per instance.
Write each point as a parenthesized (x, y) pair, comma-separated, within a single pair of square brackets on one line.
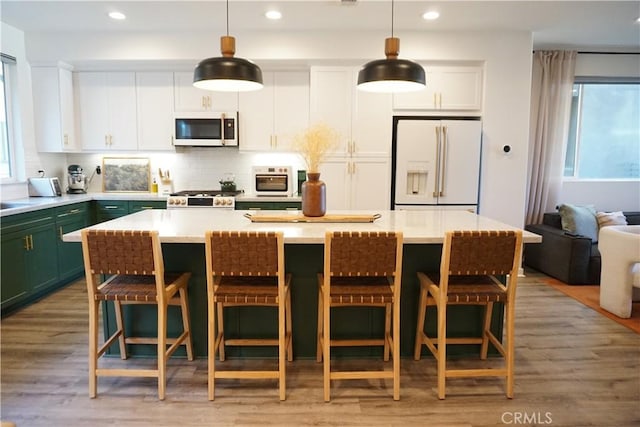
[(227, 73), (391, 74)]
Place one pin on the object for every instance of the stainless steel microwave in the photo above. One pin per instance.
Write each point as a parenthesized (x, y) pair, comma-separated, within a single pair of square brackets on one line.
[(206, 129), (272, 180)]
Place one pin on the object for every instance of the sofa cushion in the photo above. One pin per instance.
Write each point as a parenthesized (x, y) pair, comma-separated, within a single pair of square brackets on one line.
[(579, 220), (610, 218)]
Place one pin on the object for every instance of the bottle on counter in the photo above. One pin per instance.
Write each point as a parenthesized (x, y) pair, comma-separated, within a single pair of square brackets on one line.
[(154, 186)]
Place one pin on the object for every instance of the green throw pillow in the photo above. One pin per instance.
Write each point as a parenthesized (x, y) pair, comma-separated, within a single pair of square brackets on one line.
[(579, 220)]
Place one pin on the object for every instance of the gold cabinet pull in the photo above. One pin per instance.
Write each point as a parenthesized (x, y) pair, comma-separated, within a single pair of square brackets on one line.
[(61, 233), (436, 184), (26, 242), (443, 161)]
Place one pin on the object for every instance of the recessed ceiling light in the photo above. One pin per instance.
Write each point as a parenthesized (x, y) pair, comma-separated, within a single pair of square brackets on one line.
[(117, 15), (430, 16), (273, 14)]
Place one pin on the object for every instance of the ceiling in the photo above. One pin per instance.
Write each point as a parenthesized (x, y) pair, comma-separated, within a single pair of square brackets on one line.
[(584, 25)]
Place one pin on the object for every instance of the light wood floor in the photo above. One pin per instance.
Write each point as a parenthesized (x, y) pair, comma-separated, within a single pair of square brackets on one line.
[(574, 367)]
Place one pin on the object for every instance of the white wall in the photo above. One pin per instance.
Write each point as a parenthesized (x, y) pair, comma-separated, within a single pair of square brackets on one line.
[(506, 56), (605, 195), (28, 160)]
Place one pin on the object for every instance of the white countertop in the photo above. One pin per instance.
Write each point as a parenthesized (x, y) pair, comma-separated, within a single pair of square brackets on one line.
[(189, 225), (30, 204)]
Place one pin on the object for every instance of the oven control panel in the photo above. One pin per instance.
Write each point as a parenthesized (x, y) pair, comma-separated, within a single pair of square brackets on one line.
[(228, 202)]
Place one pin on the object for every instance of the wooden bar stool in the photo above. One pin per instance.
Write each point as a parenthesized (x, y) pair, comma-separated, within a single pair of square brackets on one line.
[(471, 260), (134, 259), (247, 269), (361, 269)]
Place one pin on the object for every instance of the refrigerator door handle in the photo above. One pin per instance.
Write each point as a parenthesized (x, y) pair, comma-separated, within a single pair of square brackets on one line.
[(443, 161), (436, 184)]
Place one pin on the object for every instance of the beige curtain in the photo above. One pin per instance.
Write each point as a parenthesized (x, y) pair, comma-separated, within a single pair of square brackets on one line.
[(551, 87)]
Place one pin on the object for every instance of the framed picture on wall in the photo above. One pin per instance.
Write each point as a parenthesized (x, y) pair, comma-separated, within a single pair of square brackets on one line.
[(126, 174)]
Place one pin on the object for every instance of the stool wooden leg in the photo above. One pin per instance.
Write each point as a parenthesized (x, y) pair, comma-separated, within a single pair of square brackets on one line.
[(289, 328), (387, 331), (186, 321), (422, 311), (442, 348), (326, 346), (319, 349), (396, 350), (162, 350), (93, 347), (510, 324), (281, 347), (486, 330), (211, 346), (220, 338), (120, 325)]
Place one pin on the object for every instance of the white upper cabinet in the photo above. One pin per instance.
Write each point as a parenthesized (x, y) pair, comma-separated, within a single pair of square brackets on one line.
[(449, 88), (155, 110), (106, 106), (53, 109), (363, 119), (189, 98), (270, 118)]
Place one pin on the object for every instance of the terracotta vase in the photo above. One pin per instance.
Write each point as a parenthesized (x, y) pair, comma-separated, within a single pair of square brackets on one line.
[(314, 196)]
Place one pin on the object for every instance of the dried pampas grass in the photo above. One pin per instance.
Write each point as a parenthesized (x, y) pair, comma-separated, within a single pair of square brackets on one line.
[(314, 144)]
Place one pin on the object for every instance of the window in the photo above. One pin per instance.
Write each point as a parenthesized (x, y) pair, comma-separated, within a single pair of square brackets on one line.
[(604, 133), (6, 151)]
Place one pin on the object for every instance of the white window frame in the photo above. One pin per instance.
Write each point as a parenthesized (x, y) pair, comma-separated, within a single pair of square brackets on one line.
[(8, 63), (576, 167)]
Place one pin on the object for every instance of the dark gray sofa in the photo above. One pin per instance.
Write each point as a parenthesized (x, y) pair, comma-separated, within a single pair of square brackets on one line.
[(573, 259)]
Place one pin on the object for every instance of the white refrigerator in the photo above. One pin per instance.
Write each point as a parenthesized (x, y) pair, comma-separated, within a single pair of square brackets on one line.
[(436, 163)]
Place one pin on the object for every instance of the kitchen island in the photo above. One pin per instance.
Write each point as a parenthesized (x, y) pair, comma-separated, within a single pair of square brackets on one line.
[(182, 235)]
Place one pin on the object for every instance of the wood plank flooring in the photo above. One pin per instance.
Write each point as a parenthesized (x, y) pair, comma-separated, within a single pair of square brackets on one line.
[(574, 367)]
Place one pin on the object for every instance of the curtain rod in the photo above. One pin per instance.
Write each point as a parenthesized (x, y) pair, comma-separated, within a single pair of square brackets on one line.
[(587, 52)]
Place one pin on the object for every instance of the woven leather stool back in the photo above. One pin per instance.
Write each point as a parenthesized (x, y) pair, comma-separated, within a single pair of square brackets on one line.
[(121, 252), (482, 252), (363, 253), (236, 253)]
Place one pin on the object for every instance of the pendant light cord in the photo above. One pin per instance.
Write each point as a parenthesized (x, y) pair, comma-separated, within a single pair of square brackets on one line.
[(392, 8), (228, 17)]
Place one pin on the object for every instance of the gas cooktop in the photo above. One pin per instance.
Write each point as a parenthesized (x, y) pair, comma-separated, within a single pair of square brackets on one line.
[(207, 193)]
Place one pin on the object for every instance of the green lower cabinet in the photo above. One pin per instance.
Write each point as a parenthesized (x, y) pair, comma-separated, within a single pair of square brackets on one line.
[(110, 209), (292, 205), (68, 219), (29, 261)]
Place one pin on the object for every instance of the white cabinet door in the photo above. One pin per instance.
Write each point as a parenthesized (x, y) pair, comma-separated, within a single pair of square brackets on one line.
[(356, 184), (189, 98), (290, 107), (331, 98), (155, 110), (106, 106), (255, 117), (123, 121), (449, 88), (272, 116), (53, 109), (460, 88), (93, 111), (363, 119), (335, 174), (370, 184), (372, 124)]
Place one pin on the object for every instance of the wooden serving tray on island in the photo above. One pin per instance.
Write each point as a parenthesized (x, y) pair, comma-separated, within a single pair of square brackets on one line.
[(301, 218)]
